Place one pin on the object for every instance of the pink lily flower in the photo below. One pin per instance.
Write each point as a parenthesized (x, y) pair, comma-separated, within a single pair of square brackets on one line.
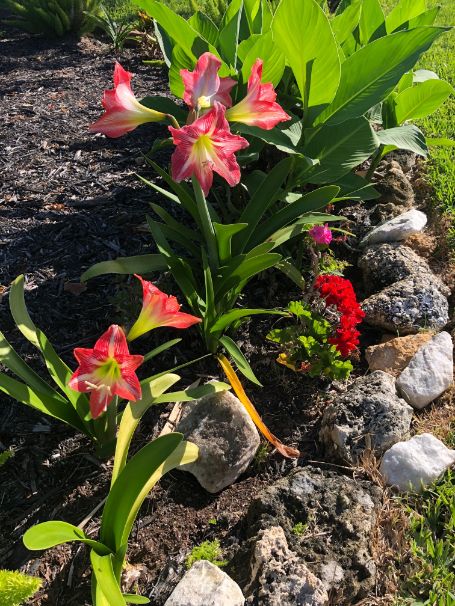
[(203, 86), (321, 234), (123, 111), (159, 309), (206, 146), (106, 371), (259, 107)]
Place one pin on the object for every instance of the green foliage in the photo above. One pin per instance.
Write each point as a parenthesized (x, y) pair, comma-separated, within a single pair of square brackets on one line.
[(208, 550), (299, 529), (54, 18), (305, 346), (118, 29), (432, 528), (6, 455), (16, 588)]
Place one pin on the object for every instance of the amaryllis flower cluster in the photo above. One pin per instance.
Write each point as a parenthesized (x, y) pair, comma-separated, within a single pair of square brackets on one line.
[(338, 291), (108, 369), (205, 144)]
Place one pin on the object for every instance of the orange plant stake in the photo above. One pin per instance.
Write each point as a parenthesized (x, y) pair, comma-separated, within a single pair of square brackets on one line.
[(286, 451)]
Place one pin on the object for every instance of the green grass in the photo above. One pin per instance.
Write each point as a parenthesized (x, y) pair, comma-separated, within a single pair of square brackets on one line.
[(440, 59), (208, 550), (432, 531)]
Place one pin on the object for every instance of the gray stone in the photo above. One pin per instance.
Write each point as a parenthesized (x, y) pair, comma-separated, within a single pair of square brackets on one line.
[(399, 228), (384, 264), (368, 415), (397, 195), (429, 373), (206, 585), (340, 513), (226, 436), (416, 463), (282, 578), (407, 306)]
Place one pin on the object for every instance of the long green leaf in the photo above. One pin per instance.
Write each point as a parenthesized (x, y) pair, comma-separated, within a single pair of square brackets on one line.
[(136, 480), (139, 264), (273, 58), (407, 136), (106, 580), (50, 534), (241, 362), (163, 347), (403, 12), (248, 268), (228, 318), (313, 200), (302, 31), (54, 407), (224, 235), (58, 370), (193, 393), (387, 59)]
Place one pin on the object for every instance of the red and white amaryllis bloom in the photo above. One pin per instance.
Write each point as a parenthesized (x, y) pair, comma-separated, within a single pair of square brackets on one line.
[(203, 86), (259, 107), (107, 370), (159, 309), (206, 146), (123, 111)]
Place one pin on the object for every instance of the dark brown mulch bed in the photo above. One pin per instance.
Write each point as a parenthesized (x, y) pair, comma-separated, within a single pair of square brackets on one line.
[(67, 200)]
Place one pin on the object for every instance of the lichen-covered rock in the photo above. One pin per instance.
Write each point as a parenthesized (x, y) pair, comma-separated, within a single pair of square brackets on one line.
[(407, 306), (397, 195), (429, 373), (206, 585), (414, 464), (368, 415), (384, 264), (341, 515), (226, 436), (280, 576), (395, 354), (397, 229)]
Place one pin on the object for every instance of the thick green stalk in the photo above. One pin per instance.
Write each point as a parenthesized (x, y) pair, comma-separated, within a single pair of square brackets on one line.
[(206, 225)]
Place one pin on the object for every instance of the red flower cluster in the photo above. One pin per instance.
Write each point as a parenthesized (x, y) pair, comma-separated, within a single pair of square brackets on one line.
[(338, 291)]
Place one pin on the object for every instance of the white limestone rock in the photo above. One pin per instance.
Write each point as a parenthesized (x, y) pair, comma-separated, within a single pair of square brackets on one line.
[(429, 373), (226, 436), (206, 585), (416, 463), (411, 222)]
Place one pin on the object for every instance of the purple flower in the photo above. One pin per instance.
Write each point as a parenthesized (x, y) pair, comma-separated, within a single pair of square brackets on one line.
[(321, 234)]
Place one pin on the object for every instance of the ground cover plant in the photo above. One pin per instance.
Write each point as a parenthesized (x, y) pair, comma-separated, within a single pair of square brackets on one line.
[(247, 172)]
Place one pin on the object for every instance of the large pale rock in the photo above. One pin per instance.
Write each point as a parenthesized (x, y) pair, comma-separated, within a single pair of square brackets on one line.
[(226, 436), (368, 415), (341, 515), (206, 585), (384, 264), (416, 463), (394, 355), (429, 373), (281, 576), (407, 306), (411, 222)]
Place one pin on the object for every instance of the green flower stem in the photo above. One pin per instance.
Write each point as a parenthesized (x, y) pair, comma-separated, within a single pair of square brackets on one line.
[(374, 162), (206, 225)]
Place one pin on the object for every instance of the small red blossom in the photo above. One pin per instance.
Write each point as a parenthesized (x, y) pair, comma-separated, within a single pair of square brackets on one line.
[(123, 111), (204, 147), (259, 107), (159, 309), (107, 370), (203, 86), (321, 234), (338, 291)]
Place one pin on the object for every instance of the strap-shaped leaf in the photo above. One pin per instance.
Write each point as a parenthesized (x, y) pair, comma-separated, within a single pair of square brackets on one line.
[(249, 267), (138, 264), (160, 349), (52, 533), (132, 598), (241, 362), (11, 359), (58, 370), (387, 58), (132, 415), (193, 393), (136, 480), (228, 318), (54, 407), (106, 580), (308, 202), (224, 235), (302, 225), (264, 196)]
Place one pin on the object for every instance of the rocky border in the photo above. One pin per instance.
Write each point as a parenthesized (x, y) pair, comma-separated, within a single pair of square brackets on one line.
[(309, 535)]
